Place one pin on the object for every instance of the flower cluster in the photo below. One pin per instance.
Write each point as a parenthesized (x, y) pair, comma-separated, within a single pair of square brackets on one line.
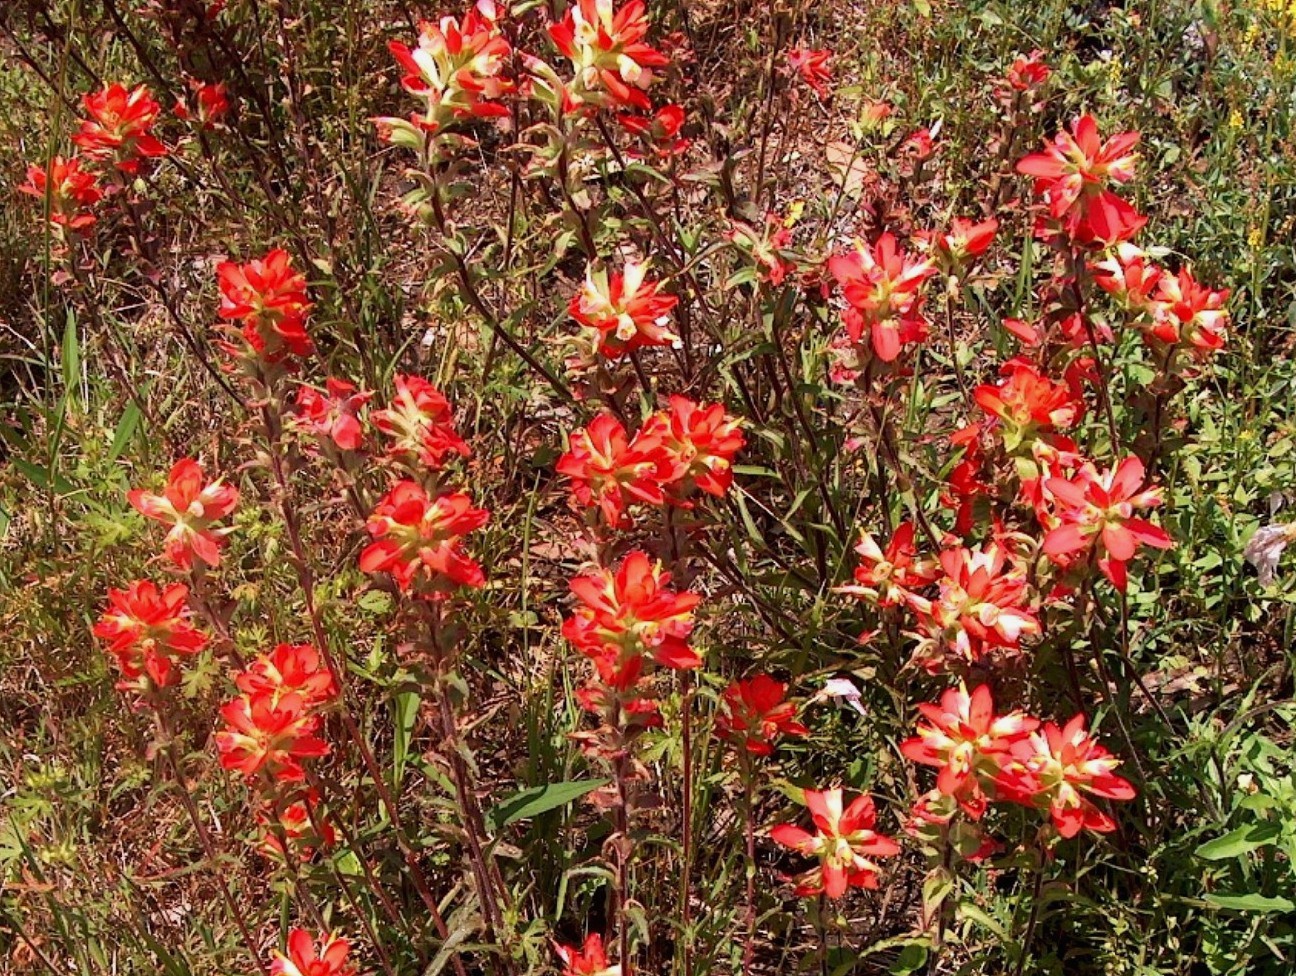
[(845, 843), (625, 310), (267, 299), (149, 630), (307, 956), (191, 506), (689, 446), (983, 757)]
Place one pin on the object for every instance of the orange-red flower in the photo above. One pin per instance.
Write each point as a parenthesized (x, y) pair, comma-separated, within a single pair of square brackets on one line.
[(981, 605), (148, 630), (609, 470), (755, 713), (1187, 313), (332, 416), (264, 738), (812, 66), (191, 508), (268, 298), (211, 101), (296, 820), (764, 246), (1097, 509), (884, 288), (698, 442), (1027, 72), (630, 615), (589, 960), (120, 126), (967, 742), (661, 130), (964, 240), (607, 52), (1026, 404), (289, 669), (846, 844), (419, 539), (420, 424), (629, 310), (889, 578), (326, 956), (1128, 276), (1055, 767), (69, 189), (1074, 175), (460, 67)]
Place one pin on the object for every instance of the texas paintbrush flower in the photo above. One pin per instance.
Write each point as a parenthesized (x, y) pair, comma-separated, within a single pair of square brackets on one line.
[(306, 956), (883, 286), (661, 130), (812, 66), (981, 605), (846, 844), (967, 742), (120, 126), (191, 507), (1027, 72), (609, 470), (887, 578), (589, 960), (69, 189), (1187, 314), (632, 614), (268, 299), (289, 669), (754, 713), (460, 67), (606, 49), (148, 630), (627, 309), (419, 424), (699, 443), (294, 820), (419, 540), (1026, 404), (210, 100), (764, 246), (952, 249), (1095, 511), (1073, 176), (332, 416), (267, 740), (1128, 276), (1053, 768)]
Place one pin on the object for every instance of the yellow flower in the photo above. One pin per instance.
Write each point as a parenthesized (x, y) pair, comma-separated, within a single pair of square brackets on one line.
[(1235, 119), (1255, 238)]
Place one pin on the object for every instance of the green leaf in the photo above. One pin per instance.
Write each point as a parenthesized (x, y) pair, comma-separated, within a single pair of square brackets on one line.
[(126, 428), (539, 799), (1235, 843), (1252, 903), (43, 479), (406, 712), (71, 353)]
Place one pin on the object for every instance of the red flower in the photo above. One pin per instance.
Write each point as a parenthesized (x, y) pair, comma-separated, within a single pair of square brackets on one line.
[(1073, 176), (607, 52), (120, 126), (813, 68), (962, 241), (459, 67), (269, 299), (290, 669), (263, 736), (764, 246), (921, 144), (967, 742), (628, 310), (883, 286), (589, 960), (1026, 404), (191, 508), (1129, 277), (1055, 767), (69, 189), (661, 129), (1186, 312), (294, 820), (332, 416), (148, 631), (420, 423), (612, 472), (631, 614), (420, 539), (1028, 72), (845, 844), (980, 606), (1096, 509), (699, 443), (755, 714), (212, 102), (304, 958), (888, 578)]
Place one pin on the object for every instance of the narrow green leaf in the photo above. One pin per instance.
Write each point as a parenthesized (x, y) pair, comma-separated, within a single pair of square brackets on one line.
[(71, 353), (1253, 903), (126, 428), (539, 799), (406, 712), (1235, 843)]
